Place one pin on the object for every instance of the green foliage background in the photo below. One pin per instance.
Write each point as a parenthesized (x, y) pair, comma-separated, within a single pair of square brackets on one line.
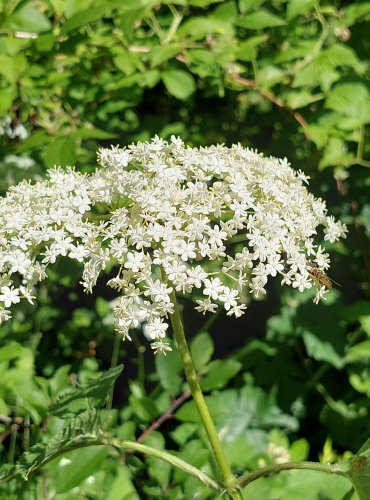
[(287, 77)]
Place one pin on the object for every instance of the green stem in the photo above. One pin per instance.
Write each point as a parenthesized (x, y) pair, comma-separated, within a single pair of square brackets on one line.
[(13, 440), (83, 441), (228, 478), (267, 471), (167, 457)]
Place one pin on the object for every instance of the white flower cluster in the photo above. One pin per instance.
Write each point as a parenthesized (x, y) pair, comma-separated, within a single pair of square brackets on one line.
[(170, 217)]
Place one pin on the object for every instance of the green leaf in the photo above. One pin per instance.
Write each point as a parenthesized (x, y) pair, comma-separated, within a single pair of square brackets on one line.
[(11, 351), (143, 407), (12, 66), (159, 470), (248, 49), (336, 153), (81, 432), (60, 152), (354, 312), (8, 471), (299, 450), (83, 463), (359, 378), (122, 487), (74, 402), (351, 99), (179, 83), (365, 324), (91, 133), (203, 3), (324, 346), (260, 20), (159, 55), (7, 95), (359, 353), (239, 411), (35, 140), (201, 349), (220, 372), (183, 433), (249, 5), (45, 43), (356, 12), (298, 7), (84, 17), (168, 369), (360, 471), (28, 18), (197, 27)]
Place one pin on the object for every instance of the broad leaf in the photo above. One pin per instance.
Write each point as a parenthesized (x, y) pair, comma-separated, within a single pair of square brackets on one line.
[(95, 392), (179, 83)]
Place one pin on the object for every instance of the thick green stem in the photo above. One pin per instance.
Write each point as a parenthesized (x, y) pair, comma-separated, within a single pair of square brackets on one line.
[(267, 471), (228, 479)]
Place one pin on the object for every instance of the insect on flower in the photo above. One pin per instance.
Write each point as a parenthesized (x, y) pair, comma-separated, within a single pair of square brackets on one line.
[(320, 278)]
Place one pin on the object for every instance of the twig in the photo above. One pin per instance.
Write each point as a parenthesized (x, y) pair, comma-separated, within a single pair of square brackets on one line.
[(275, 100), (165, 416)]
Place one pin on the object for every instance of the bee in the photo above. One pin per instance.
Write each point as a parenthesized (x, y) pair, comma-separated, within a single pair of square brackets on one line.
[(320, 278)]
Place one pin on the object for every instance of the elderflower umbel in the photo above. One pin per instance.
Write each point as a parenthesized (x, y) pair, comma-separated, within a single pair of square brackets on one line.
[(217, 221)]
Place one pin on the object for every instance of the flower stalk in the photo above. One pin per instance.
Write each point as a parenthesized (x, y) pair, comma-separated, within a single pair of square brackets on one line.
[(228, 479)]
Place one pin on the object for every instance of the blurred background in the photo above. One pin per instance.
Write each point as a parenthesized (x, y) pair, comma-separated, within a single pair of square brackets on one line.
[(289, 78)]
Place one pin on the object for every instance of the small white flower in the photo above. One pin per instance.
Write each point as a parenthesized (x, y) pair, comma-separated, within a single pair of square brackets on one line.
[(206, 305), (320, 295), (301, 281), (155, 329), (9, 295), (160, 347), (213, 287)]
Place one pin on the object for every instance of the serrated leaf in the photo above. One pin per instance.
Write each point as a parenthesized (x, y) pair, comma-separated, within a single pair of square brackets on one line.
[(179, 83), (82, 431), (9, 471), (74, 402)]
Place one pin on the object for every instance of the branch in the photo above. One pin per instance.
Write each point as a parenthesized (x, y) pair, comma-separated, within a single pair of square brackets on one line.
[(275, 100), (166, 416)]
